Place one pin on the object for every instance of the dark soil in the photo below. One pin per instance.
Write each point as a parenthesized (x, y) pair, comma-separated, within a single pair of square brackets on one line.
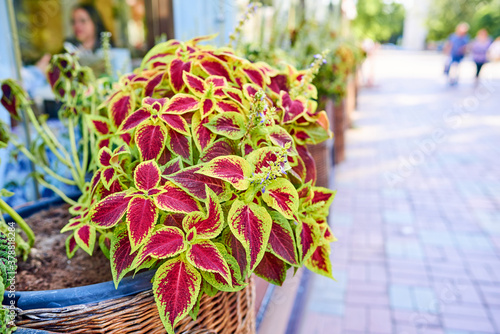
[(48, 267)]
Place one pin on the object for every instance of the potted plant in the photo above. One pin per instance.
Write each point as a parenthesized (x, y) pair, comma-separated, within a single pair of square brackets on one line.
[(200, 174)]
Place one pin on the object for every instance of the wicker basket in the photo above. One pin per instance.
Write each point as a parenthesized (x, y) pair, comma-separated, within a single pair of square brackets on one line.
[(321, 154), (224, 313)]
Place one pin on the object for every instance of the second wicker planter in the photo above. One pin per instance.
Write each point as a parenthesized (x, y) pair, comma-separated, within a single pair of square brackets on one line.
[(224, 313)]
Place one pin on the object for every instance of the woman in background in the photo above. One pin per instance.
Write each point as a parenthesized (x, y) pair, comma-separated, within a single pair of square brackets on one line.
[(87, 28), (479, 48)]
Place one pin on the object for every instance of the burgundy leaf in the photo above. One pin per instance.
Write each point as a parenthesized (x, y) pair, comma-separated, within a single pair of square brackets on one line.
[(194, 183), (149, 140), (174, 199), (147, 175), (141, 219), (110, 210)]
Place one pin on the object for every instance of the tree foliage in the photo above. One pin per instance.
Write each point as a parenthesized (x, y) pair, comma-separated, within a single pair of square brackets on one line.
[(444, 15), (379, 20), (488, 17)]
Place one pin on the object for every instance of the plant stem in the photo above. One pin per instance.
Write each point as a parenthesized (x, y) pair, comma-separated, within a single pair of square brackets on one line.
[(56, 190), (44, 133), (45, 168), (51, 135), (85, 142), (19, 220), (76, 160)]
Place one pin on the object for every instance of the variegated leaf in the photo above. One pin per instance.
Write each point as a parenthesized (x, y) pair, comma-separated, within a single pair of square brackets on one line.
[(260, 158), (272, 269), (309, 164), (195, 84), (121, 255), (177, 123), (71, 246), (218, 148), (237, 251), (141, 219), (218, 281), (100, 124), (214, 66), (319, 262), (165, 242), (135, 119), (282, 196), (251, 225), (85, 238), (110, 210), (231, 168), (182, 103), (322, 198), (308, 236), (201, 135), (194, 183), (207, 107), (150, 140), (180, 144), (281, 239), (176, 286), (209, 225), (120, 106), (280, 137), (174, 199), (293, 109), (204, 255), (176, 68), (229, 124), (147, 175)]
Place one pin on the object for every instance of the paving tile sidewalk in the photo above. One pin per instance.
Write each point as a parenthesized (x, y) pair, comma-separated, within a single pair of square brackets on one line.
[(417, 212)]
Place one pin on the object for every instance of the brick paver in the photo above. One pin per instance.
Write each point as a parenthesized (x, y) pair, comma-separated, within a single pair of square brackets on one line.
[(417, 212)]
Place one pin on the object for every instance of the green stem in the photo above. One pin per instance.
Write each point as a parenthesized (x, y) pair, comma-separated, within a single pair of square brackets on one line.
[(51, 135), (85, 162), (4, 207), (45, 168), (76, 160), (56, 190), (44, 133)]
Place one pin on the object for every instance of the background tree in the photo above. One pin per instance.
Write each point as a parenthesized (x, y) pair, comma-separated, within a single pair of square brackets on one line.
[(444, 15), (488, 17), (379, 20)]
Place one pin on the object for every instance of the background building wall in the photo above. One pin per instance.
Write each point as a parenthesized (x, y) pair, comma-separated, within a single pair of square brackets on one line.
[(415, 30), (194, 18)]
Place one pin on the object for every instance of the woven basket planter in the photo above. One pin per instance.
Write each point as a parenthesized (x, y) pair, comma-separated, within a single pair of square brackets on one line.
[(223, 313), (100, 308), (321, 155), (339, 125)]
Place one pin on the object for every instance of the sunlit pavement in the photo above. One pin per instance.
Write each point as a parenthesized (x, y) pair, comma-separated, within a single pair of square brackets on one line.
[(417, 212)]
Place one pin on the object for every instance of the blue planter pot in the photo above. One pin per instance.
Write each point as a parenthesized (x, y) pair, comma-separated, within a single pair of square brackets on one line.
[(90, 294)]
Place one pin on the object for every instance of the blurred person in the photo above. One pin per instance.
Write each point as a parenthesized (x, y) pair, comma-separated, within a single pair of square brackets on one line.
[(87, 28), (456, 48), (368, 68), (494, 50), (479, 48), (135, 26)]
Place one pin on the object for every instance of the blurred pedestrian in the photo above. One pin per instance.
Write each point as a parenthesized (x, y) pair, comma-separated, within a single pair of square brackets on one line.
[(87, 29), (494, 50), (456, 48), (479, 48), (368, 68)]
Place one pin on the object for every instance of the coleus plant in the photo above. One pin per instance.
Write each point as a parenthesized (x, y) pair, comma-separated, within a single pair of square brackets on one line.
[(204, 175)]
